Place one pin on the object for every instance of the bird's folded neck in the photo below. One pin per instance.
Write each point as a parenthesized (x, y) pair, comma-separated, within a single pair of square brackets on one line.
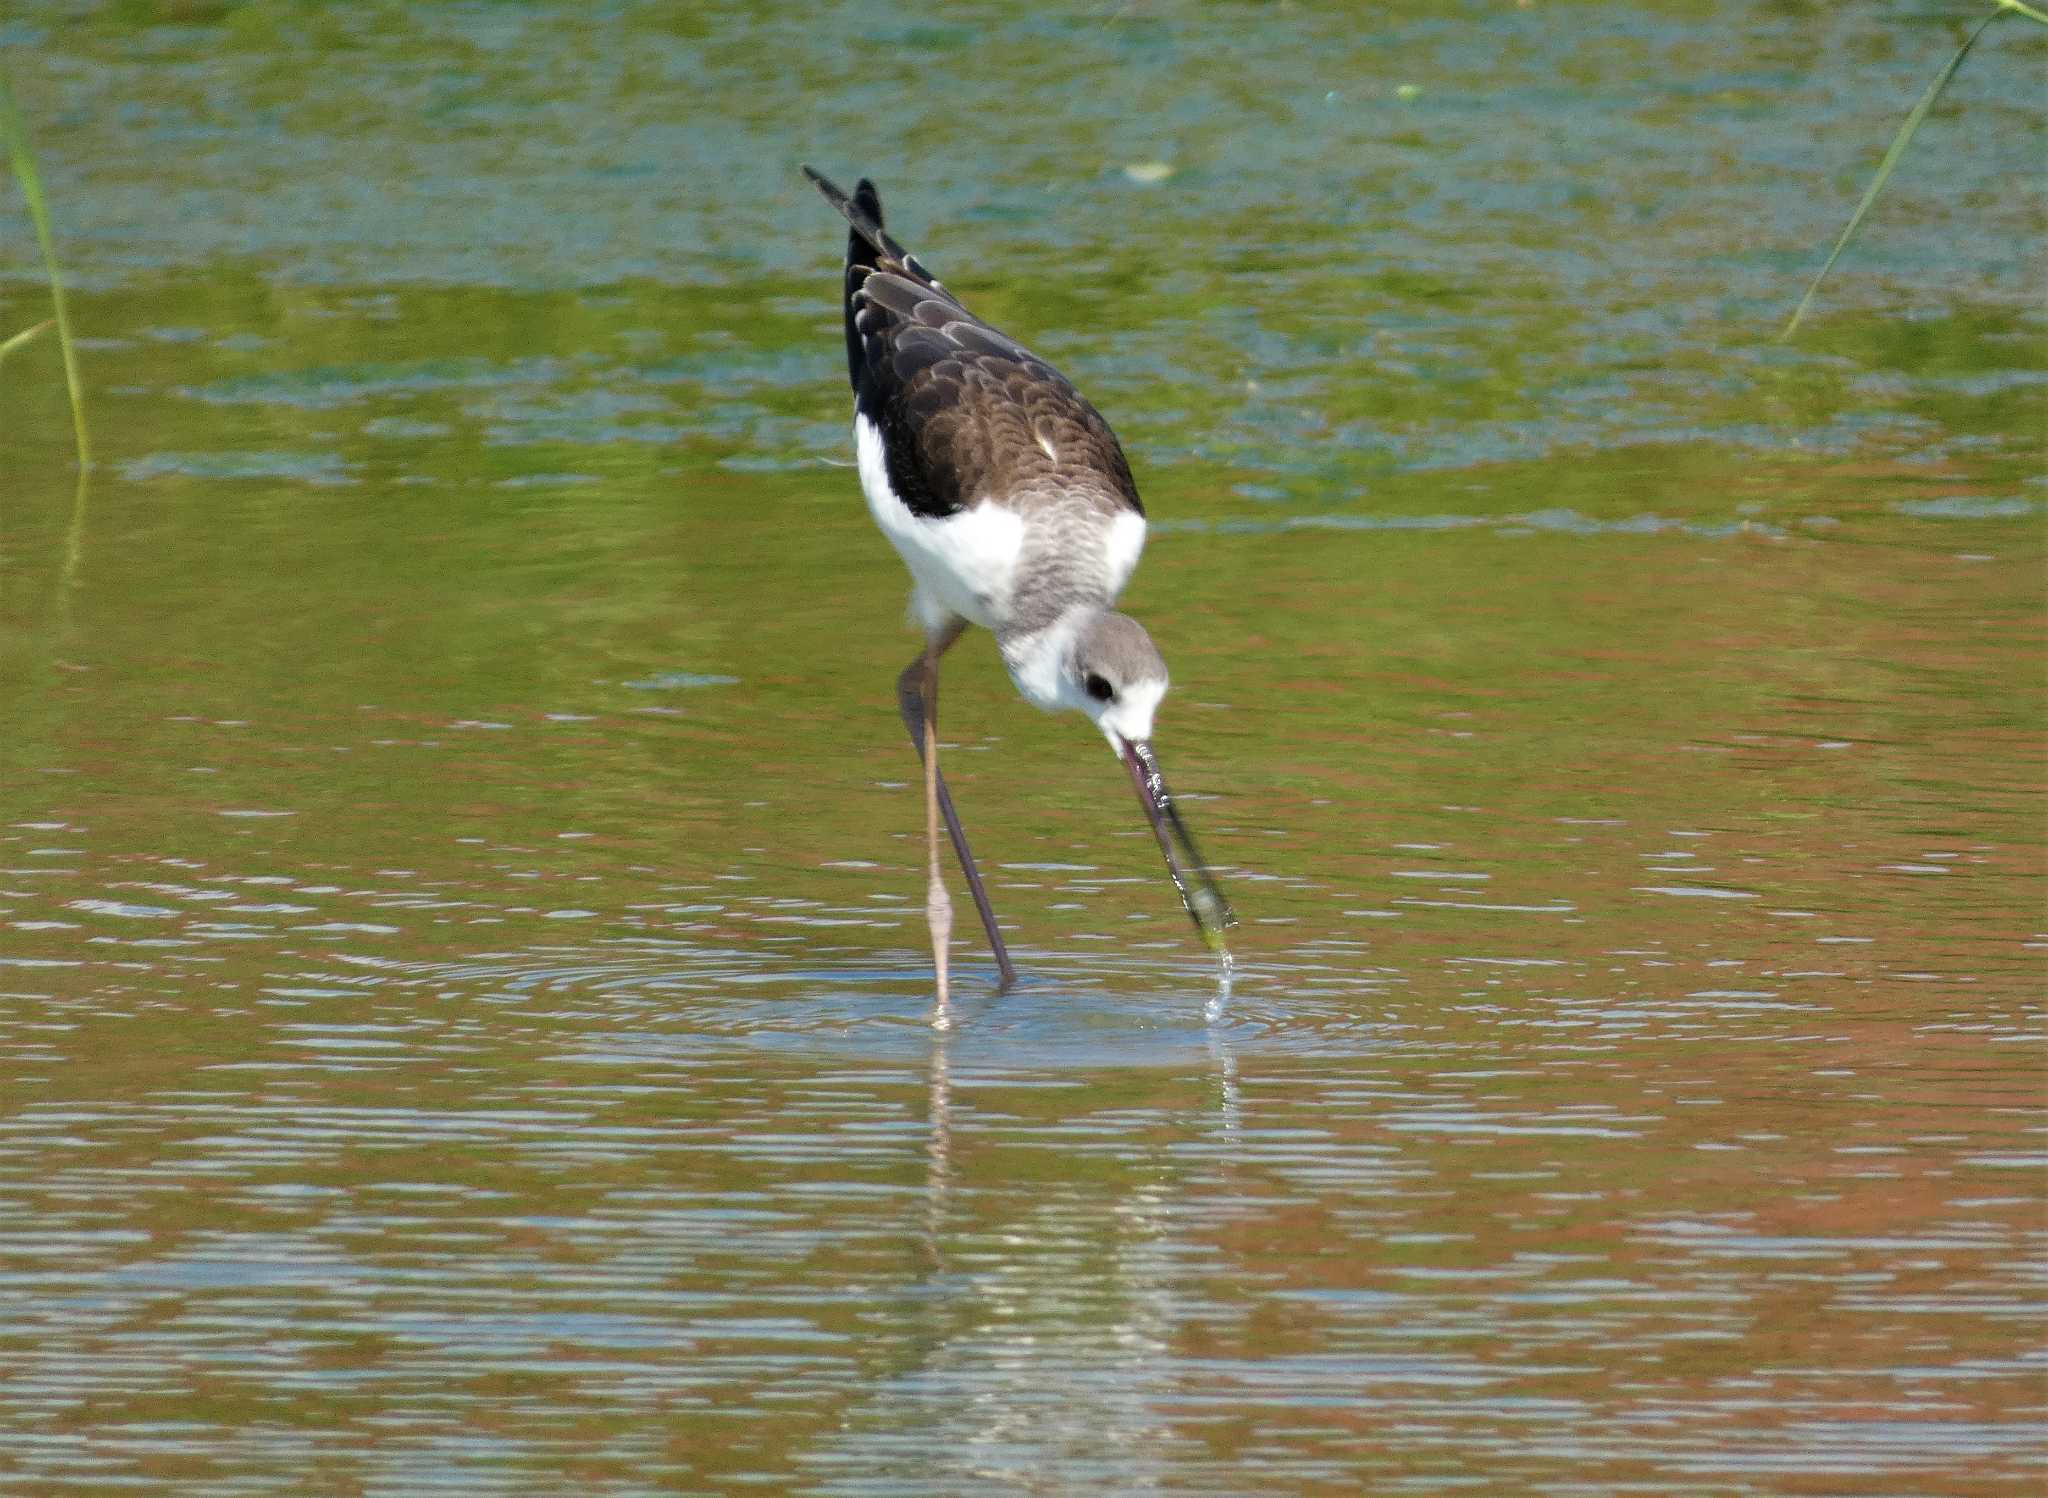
[(1039, 659)]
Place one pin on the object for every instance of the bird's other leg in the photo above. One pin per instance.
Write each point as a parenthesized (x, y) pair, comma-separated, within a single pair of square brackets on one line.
[(917, 698)]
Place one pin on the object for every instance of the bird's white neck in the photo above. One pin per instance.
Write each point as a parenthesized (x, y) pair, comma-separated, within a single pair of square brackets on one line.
[(1038, 663)]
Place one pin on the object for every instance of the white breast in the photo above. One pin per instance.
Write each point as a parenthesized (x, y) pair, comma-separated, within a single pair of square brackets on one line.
[(964, 563), (1122, 546)]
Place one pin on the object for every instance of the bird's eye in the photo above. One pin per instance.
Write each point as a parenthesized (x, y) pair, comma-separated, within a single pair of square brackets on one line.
[(1099, 687)]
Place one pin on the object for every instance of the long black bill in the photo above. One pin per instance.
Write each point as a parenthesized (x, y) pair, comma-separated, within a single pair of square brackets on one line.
[(1205, 904)]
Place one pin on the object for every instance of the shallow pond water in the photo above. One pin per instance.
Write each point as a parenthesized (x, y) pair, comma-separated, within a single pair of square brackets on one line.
[(462, 979)]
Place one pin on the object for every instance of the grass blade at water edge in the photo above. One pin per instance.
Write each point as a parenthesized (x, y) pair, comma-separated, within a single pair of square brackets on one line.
[(15, 136), (11, 344), (1891, 157)]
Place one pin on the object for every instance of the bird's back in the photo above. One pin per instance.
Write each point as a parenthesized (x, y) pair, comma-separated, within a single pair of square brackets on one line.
[(965, 413)]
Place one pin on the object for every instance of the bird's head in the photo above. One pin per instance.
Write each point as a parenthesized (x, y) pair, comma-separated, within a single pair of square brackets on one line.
[(1116, 675)]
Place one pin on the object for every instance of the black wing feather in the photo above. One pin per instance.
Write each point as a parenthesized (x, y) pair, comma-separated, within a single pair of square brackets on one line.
[(965, 411)]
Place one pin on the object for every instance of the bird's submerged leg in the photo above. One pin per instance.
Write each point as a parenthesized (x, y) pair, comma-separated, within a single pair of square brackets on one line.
[(917, 696)]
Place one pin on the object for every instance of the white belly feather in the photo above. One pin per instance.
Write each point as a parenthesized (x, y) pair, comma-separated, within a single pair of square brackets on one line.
[(967, 563), (964, 564)]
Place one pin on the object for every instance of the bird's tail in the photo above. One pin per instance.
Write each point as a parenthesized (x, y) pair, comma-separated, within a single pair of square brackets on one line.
[(869, 245), (869, 241)]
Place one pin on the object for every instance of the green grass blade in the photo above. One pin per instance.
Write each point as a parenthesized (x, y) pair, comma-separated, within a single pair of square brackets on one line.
[(15, 136), (10, 345), (2026, 10), (1891, 159)]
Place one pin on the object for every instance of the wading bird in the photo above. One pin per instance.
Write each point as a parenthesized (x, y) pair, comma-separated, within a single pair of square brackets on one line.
[(1010, 501)]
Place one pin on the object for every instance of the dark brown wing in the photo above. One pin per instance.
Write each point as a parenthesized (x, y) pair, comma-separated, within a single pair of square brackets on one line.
[(965, 412)]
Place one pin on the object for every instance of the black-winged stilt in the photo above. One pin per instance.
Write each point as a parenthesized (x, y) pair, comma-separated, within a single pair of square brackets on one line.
[(1009, 499)]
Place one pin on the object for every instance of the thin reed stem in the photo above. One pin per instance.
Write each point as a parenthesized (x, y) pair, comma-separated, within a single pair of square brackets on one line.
[(1898, 148), (15, 136), (11, 344)]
